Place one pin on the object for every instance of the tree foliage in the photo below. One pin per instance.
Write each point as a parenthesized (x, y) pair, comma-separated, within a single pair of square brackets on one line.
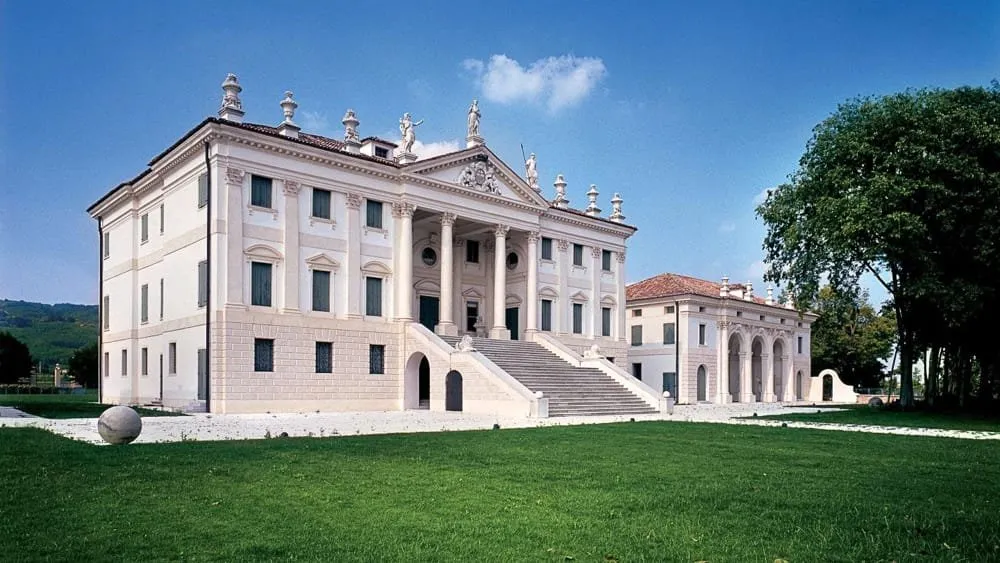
[(15, 359), (51, 332), (851, 337), (905, 188), (84, 366)]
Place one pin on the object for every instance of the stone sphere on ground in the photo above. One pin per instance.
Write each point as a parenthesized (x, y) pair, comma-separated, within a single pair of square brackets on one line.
[(875, 403), (119, 425)]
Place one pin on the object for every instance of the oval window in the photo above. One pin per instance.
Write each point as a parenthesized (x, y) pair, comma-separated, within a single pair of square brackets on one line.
[(512, 261), (429, 256)]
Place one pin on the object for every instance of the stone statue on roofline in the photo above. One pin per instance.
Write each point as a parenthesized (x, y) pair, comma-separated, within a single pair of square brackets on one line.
[(474, 116), (407, 131), (531, 171)]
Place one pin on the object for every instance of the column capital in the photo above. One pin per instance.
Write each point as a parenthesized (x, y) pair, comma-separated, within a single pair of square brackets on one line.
[(563, 245), (534, 236), (290, 187), (744, 355), (620, 256), (448, 218), (234, 176), (595, 252), (403, 209), (354, 201), (500, 231)]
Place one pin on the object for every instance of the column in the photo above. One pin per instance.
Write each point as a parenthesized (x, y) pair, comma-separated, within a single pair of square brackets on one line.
[(789, 388), (595, 293), (446, 319), (722, 373), (746, 371), (531, 310), (499, 330), (403, 213), (234, 235), (767, 374), (290, 189), (458, 301), (353, 294), (564, 307), (622, 332)]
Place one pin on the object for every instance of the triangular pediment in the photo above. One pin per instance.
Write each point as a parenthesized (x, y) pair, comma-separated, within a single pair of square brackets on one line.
[(479, 171)]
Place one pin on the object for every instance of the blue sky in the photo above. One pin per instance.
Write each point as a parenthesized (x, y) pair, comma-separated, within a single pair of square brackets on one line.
[(688, 109)]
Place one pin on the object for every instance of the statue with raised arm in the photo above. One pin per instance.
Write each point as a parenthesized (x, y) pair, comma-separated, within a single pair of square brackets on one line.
[(474, 116), (406, 129), (531, 167)]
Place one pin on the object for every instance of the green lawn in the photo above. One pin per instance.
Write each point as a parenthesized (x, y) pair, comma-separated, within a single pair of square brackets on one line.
[(625, 492), (861, 414), (68, 406)]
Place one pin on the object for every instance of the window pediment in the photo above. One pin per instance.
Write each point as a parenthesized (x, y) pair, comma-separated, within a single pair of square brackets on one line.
[(548, 293), (263, 253), (375, 268), (322, 261), (579, 296)]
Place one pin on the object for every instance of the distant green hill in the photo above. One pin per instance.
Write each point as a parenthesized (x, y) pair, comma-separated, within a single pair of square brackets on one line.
[(51, 332)]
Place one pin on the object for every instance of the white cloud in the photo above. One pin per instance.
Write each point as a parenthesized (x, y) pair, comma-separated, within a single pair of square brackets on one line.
[(314, 122), (756, 270), (558, 82), (727, 227), (428, 150)]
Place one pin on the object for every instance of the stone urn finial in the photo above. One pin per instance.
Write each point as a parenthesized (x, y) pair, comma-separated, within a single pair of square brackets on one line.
[(232, 107), (616, 209), (592, 208), (560, 200)]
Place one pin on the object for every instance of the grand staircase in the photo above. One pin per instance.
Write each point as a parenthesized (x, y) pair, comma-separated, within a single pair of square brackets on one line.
[(572, 391)]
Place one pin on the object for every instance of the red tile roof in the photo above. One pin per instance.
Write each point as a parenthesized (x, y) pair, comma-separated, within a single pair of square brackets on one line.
[(670, 285)]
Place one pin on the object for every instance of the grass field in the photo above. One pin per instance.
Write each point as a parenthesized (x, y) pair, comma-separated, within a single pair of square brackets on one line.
[(625, 492), (68, 406), (861, 414)]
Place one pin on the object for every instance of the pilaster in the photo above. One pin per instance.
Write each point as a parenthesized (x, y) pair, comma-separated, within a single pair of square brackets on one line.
[(353, 295), (290, 189), (234, 235)]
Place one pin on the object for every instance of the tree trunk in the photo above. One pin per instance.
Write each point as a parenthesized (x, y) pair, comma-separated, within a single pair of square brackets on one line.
[(931, 386), (906, 369)]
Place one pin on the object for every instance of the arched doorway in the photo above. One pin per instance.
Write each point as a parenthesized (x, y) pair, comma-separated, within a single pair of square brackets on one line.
[(798, 386), (757, 369), (735, 344), (424, 386), (702, 384), (778, 365), (827, 387), (453, 391), (416, 374)]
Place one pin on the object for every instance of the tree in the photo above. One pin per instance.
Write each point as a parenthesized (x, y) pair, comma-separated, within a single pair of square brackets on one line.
[(905, 188), (15, 359), (84, 365), (851, 337)]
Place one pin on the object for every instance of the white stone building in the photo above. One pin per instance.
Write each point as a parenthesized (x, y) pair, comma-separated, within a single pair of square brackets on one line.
[(257, 268), (709, 342)]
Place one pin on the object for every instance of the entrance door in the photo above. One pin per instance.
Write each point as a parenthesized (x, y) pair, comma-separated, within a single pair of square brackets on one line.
[(453, 391), (512, 313), (670, 383), (161, 378), (424, 391), (702, 384), (429, 310)]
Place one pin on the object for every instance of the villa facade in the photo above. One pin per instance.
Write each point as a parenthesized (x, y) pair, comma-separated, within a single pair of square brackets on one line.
[(256, 268), (717, 342)]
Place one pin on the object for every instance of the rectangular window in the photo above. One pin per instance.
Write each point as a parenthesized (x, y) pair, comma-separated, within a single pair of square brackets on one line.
[(203, 191), (670, 383), (107, 244), (472, 251), (577, 254), (471, 315), (577, 318), (107, 364), (260, 191), (637, 371), (605, 321), (144, 361), (260, 284), (172, 358), (762, 317), (106, 313), (376, 359), (373, 214), (636, 312), (321, 203), (669, 309), (636, 335), (669, 333), (606, 260), (702, 340), (381, 152), (701, 309), (546, 248), (324, 357), (546, 314), (202, 374), (144, 227), (373, 297), (202, 283), (263, 354), (144, 303), (800, 344), (161, 299), (321, 291), (162, 218), (124, 362)]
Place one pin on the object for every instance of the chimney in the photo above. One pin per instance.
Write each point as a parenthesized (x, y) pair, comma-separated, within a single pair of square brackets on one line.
[(352, 143), (592, 208), (748, 293), (560, 200), (770, 296), (288, 128), (232, 107), (724, 290)]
